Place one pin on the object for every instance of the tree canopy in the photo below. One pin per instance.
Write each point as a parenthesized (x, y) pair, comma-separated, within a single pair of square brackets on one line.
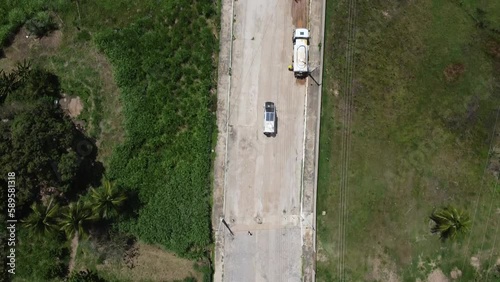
[(37, 140)]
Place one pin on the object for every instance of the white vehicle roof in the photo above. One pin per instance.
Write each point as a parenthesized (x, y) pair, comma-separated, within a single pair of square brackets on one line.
[(301, 33), (269, 117), (300, 56)]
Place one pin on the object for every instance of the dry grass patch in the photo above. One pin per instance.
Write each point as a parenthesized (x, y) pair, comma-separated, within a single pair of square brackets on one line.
[(382, 269), (153, 264)]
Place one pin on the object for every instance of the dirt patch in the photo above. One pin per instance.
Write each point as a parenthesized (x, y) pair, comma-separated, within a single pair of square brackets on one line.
[(382, 269), (24, 44), (493, 48), (299, 13), (73, 106), (52, 41), (74, 249), (474, 261), (456, 273), (437, 275), (300, 81), (321, 256), (153, 264), (453, 71)]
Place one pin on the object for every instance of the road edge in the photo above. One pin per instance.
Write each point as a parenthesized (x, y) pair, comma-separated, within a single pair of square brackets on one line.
[(311, 146), (223, 93)]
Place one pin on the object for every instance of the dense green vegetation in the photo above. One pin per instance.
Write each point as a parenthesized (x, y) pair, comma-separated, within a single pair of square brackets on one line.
[(425, 99), (165, 71), (48, 257)]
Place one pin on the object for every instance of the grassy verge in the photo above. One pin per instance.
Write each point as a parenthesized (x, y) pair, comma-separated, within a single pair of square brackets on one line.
[(424, 110)]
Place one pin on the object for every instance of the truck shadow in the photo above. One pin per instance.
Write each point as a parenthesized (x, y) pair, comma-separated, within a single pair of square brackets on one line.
[(276, 123)]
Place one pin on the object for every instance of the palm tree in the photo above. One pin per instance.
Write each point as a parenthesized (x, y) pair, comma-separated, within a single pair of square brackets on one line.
[(75, 219), (74, 222), (43, 220), (107, 200), (449, 222)]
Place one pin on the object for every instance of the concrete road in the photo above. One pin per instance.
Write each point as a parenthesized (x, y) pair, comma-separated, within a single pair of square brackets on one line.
[(263, 174)]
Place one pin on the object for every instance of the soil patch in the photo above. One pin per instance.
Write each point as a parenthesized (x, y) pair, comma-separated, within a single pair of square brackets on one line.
[(382, 269), (474, 261), (299, 13), (73, 106), (456, 273), (493, 48), (23, 45), (453, 72), (74, 249), (52, 41), (437, 275)]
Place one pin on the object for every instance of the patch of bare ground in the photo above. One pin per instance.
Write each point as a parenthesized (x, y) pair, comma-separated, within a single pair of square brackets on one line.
[(152, 264), (474, 261), (24, 44), (321, 255), (455, 273), (437, 275), (74, 249), (299, 13), (493, 48), (73, 106), (453, 71), (382, 269)]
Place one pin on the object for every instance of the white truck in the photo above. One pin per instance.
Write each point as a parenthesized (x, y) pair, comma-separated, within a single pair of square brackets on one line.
[(269, 119), (300, 64)]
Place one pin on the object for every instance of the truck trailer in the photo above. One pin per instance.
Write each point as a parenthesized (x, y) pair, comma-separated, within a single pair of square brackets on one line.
[(300, 65)]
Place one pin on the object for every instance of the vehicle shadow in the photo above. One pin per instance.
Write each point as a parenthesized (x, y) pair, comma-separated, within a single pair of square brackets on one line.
[(276, 123)]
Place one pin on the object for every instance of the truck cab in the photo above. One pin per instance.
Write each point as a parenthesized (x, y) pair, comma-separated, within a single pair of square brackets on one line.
[(300, 65), (269, 119)]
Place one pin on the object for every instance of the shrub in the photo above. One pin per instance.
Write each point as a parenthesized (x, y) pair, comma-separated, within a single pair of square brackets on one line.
[(41, 24)]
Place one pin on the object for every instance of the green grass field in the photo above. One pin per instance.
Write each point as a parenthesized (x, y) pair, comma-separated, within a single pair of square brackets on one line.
[(425, 84)]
